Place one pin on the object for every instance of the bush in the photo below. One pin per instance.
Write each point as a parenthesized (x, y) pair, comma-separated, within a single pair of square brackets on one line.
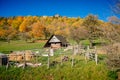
[(113, 56), (113, 75)]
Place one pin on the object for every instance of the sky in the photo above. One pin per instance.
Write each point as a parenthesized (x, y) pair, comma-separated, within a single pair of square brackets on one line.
[(69, 8)]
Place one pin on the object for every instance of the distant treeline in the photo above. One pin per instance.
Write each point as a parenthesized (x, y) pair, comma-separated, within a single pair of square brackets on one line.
[(42, 27)]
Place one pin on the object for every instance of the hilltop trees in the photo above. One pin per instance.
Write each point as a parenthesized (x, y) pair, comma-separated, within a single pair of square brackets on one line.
[(34, 27)]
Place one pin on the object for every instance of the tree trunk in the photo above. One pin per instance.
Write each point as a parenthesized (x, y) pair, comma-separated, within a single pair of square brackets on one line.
[(91, 43), (26, 40), (33, 41), (79, 47), (8, 40), (118, 75), (46, 36)]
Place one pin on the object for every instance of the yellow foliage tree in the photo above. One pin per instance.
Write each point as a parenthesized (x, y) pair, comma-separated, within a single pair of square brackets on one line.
[(37, 30)]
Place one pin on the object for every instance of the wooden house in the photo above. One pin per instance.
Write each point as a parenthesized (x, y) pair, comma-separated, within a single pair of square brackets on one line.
[(56, 41)]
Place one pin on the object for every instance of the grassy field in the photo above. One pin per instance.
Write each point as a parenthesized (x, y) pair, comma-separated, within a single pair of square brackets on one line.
[(80, 71), (19, 45)]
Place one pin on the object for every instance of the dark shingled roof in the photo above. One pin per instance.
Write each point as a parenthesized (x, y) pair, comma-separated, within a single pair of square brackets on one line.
[(62, 39)]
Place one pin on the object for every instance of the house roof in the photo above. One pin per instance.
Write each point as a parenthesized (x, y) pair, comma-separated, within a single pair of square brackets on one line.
[(60, 39), (54, 39)]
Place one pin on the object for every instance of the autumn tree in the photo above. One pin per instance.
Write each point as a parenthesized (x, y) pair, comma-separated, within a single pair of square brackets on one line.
[(46, 32), (7, 33), (26, 24), (111, 30), (16, 22), (3, 22), (45, 21), (37, 30), (25, 27), (92, 24), (51, 29), (2, 33), (10, 20), (113, 56), (112, 34), (11, 33), (25, 36), (78, 33)]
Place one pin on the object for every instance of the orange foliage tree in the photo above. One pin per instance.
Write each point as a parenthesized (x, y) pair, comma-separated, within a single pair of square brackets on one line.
[(37, 30)]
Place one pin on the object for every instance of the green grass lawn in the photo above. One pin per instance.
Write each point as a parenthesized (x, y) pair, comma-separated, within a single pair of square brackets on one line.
[(97, 42), (19, 45)]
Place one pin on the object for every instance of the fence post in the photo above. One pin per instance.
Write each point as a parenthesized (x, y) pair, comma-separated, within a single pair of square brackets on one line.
[(51, 52), (24, 57), (73, 56), (37, 55), (96, 56), (48, 65), (87, 54), (7, 62), (61, 55)]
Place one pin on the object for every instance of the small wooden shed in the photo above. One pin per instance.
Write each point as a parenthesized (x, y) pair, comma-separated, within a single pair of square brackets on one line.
[(56, 41), (3, 59)]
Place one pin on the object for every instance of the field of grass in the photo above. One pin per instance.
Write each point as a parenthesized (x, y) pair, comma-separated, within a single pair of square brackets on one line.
[(19, 45), (97, 42), (81, 70)]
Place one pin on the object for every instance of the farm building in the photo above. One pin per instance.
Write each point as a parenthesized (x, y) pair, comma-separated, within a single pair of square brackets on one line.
[(3, 59), (56, 41)]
